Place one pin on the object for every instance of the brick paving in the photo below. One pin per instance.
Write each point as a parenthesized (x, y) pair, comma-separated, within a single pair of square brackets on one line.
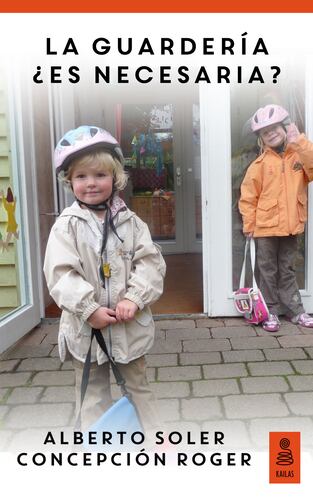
[(207, 373)]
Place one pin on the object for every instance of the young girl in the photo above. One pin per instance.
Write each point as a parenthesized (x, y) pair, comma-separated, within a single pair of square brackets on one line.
[(103, 271), (273, 205)]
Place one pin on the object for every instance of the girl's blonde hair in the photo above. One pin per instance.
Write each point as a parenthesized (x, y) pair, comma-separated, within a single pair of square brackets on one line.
[(101, 160)]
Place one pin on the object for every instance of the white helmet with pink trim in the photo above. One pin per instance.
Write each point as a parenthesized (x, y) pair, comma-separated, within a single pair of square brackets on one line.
[(269, 115), (84, 139)]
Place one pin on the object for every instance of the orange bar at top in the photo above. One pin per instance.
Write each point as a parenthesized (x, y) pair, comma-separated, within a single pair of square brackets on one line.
[(174, 6)]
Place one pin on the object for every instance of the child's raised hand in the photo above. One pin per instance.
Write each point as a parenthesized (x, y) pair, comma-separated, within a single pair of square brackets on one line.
[(292, 132), (126, 310), (102, 317)]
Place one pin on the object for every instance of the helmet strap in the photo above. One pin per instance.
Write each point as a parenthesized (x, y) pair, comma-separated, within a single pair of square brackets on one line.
[(103, 205)]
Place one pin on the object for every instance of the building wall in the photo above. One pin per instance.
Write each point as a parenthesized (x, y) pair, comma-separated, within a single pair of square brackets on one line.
[(9, 288)]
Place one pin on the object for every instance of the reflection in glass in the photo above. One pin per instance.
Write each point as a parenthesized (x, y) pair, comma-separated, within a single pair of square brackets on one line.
[(244, 102), (147, 143)]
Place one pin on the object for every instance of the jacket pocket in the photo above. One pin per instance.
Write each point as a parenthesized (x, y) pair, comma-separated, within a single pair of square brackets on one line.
[(302, 207), (267, 214), (143, 317)]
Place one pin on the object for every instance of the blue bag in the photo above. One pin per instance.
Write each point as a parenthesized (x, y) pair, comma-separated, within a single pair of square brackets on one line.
[(122, 416)]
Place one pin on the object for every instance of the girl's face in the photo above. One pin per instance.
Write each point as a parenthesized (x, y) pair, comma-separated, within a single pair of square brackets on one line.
[(273, 135), (91, 184)]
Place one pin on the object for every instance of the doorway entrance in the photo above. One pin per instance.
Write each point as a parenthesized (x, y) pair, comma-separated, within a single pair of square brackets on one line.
[(160, 137)]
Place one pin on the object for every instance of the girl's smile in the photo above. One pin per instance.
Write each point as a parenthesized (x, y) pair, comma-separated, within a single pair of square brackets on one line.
[(91, 184), (273, 136)]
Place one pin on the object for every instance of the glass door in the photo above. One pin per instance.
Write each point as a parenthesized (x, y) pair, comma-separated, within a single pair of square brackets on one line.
[(227, 149), (162, 151), (19, 289)]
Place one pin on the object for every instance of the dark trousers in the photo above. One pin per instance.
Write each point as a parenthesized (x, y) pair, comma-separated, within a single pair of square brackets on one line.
[(275, 257)]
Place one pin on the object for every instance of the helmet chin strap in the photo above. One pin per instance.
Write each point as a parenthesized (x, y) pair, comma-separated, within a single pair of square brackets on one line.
[(98, 206)]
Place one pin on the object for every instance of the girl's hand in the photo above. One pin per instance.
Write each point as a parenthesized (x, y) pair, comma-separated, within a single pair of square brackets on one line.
[(292, 132), (126, 310), (248, 235), (102, 317)]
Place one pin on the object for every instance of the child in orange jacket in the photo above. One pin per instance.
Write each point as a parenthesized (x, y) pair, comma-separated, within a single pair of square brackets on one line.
[(273, 205)]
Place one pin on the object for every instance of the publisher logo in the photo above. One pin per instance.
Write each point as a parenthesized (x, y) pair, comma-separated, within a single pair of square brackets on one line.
[(284, 457)]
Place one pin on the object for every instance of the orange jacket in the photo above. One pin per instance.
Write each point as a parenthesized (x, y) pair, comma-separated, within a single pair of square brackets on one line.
[(273, 198)]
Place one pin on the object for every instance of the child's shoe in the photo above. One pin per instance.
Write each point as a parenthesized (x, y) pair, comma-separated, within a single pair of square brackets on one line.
[(303, 319), (272, 324)]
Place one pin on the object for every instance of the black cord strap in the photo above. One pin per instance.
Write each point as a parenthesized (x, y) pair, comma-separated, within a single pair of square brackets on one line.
[(86, 371)]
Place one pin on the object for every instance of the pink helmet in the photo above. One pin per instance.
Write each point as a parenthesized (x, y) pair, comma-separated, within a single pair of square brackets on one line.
[(83, 140), (269, 115)]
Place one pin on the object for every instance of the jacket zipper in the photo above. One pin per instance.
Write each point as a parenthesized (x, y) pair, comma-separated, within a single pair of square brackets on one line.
[(107, 283), (285, 188)]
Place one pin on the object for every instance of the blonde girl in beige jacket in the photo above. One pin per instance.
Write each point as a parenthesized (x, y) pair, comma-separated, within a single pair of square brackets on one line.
[(104, 271)]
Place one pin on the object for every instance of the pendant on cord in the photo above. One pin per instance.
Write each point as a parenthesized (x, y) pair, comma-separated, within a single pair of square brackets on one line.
[(106, 268)]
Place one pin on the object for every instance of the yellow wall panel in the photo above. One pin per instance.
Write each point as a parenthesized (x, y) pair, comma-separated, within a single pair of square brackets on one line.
[(7, 276), (9, 297)]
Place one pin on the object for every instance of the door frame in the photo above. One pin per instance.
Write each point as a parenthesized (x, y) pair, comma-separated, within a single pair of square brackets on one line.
[(21, 133)]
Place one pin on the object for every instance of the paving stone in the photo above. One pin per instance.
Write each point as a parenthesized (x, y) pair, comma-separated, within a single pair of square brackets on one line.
[(3, 392), (201, 408), (34, 338), (161, 360), (5, 438), (55, 352), (223, 387), (58, 395), (39, 415), (248, 355), (199, 358), (256, 405), (67, 365), (51, 338), (301, 382), (25, 395), (296, 341), (179, 373), (300, 403), (259, 429), (166, 347), (253, 385), (206, 345), (159, 334), (229, 370), (285, 329), (188, 334), (39, 364), (170, 389), (235, 433), (235, 322), (270, 368), (172, 324), (232, 332), (208, 322), (254, 343), (151, 374), (48, 328), (304, 367), (8, 366), (169, 409), (309, 351), (184, 427), (21, 352), (284, 354), (54, 378), (4, 409), (14, 379)]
